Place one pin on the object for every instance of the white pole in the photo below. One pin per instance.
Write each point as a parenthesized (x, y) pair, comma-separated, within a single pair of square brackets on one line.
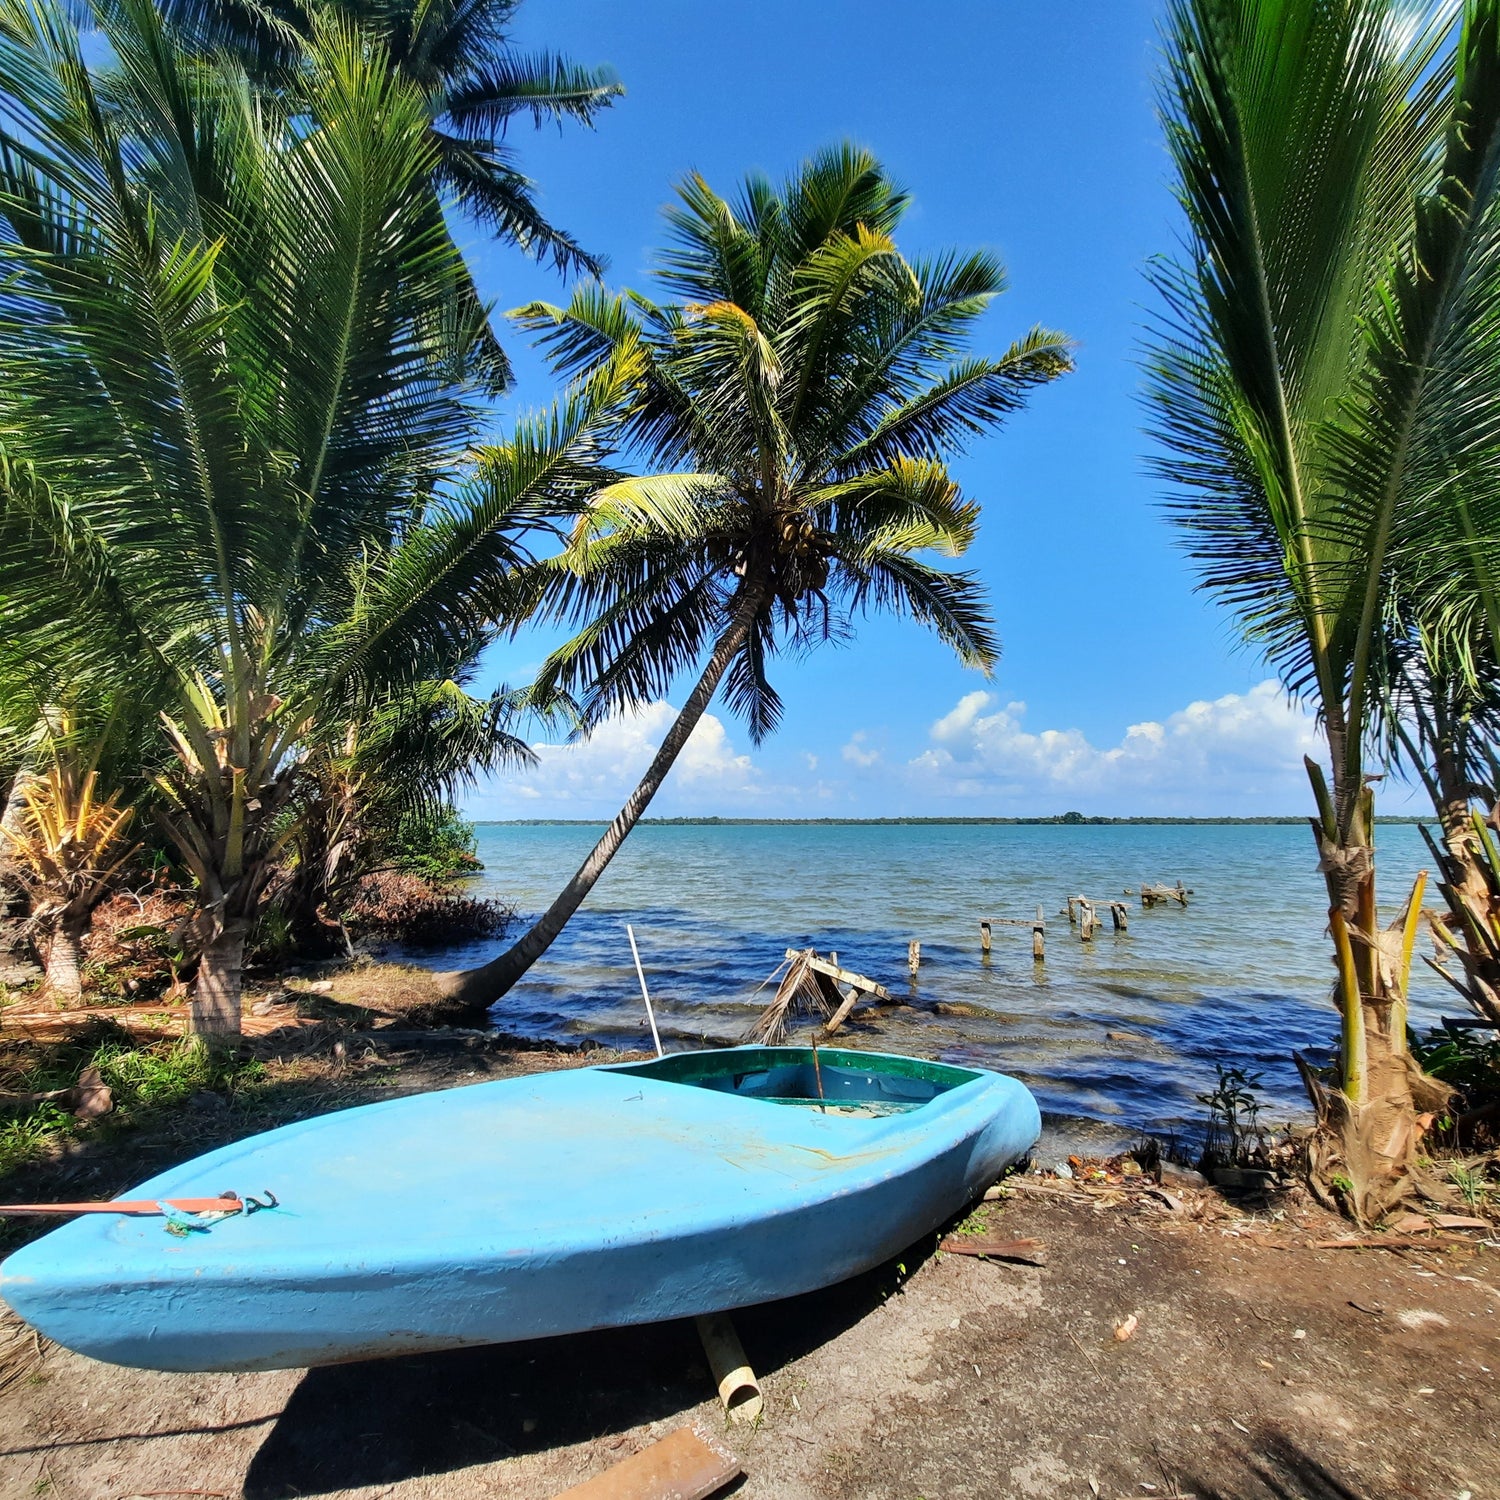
[(640, 974)]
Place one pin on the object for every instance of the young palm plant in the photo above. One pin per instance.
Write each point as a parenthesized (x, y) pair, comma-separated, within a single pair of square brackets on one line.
[(70, 844), (1336, 164), (797, 406), (233, 417)]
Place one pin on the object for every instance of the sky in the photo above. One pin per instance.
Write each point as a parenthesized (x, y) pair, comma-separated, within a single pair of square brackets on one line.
[(1026, 128)]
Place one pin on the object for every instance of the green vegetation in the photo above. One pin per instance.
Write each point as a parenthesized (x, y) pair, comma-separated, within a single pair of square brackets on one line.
[(437, 845), (244, 368), (1326, 357), (145, 1083)]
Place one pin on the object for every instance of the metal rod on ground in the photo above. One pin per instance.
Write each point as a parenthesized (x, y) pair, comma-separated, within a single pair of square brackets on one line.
[(818, 1075), (640, 974), (739, 1390)]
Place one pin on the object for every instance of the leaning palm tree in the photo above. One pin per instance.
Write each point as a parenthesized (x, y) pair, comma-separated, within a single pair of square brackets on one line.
[(233, 420), (1337, 165), (796, 406), (476, 84)]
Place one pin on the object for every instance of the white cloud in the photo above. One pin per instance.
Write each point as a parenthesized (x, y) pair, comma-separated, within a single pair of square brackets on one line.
[(584, 777), (1241, 751), (810, 760), (856, 753)]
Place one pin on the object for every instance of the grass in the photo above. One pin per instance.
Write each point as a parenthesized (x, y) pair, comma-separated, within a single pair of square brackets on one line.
[(1472, 1186), (145, 1082)]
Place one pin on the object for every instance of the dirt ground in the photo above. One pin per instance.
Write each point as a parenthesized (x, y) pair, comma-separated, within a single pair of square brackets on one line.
[(1259, 1367)]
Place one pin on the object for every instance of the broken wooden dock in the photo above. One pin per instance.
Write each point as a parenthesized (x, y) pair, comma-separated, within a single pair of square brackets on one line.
[(810, 987)]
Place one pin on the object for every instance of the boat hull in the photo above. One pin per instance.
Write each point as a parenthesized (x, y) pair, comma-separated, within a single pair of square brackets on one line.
[(511, 1210)]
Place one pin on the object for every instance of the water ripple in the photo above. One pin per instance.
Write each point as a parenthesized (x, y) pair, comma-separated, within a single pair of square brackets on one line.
[(1241, 977)]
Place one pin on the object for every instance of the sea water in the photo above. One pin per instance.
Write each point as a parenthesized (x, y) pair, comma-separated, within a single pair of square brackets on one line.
[(1240, 977)]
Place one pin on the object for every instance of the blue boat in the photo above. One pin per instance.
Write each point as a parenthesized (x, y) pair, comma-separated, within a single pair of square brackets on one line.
[(550, 1204)]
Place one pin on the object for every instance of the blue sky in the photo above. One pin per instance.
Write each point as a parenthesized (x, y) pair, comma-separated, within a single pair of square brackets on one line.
[(1028, 129)]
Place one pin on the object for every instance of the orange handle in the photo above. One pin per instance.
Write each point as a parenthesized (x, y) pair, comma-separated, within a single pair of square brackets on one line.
[(223, 1202)]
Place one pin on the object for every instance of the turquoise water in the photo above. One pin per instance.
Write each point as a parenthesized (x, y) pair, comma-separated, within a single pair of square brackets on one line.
[(1241, 976)]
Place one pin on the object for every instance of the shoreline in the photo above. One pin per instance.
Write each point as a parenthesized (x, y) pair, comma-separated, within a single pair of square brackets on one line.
[(1291, 821)]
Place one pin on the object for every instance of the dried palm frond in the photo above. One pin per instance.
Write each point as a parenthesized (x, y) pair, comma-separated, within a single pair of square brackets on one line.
[(802, 992)]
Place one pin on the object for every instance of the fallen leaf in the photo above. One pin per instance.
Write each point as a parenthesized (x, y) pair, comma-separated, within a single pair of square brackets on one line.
[(1126, 1327), (1411, 1224), (1459, 1221), (1024, 1252)]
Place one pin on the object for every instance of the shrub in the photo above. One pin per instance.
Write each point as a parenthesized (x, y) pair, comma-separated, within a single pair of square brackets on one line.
[(409, 910), (435, 845), (1467, 1058)]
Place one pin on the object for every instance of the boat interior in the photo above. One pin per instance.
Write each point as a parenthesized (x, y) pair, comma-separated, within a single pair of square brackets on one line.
[(833, 1080)]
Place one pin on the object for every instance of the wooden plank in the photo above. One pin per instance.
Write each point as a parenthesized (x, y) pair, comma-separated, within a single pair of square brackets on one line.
[(843, 976), (841, 1015), (685, 1465)]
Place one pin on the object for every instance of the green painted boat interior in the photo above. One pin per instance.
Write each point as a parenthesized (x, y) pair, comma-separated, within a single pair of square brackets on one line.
[(841, 1082)]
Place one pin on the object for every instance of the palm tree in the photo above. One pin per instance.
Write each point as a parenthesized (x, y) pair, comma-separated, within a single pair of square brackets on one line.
[(476, 84), (797, 405), (1440, 701), (232, 418), (1336, 163)]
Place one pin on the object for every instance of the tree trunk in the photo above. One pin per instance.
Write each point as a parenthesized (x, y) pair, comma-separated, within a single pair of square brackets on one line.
[(215, 1012), (1363, 1157), (65, 959), (473, 991), (1460, 837)]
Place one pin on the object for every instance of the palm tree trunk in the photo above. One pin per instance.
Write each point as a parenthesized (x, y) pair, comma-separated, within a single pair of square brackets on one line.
[(473, 991), (1364, 1156), (65, 958), (1461, 839), (215, 1012)]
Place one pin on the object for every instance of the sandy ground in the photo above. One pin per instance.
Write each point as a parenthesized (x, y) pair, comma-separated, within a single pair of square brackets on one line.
[(1261, 1366)]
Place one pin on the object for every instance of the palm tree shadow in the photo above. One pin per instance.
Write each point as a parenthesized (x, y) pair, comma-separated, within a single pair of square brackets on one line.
[(383, 1421), (1279, 1470)]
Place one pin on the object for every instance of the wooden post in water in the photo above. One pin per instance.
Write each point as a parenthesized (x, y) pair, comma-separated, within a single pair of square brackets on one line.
[(1072, 915), (984, 937), (1117, 912), (1085, 919), (1039, 938), (914, 957)]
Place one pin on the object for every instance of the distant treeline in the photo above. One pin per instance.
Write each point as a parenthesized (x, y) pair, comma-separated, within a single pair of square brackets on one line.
[(1070, 819)]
